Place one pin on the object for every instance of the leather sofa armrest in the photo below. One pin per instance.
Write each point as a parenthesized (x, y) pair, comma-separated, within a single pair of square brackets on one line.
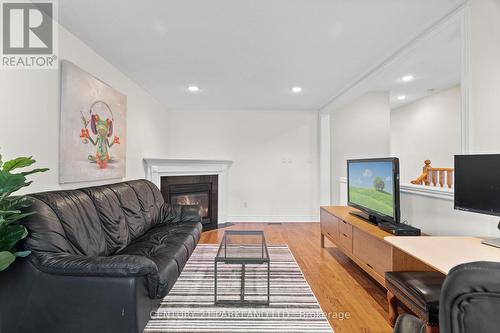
[(409, 324), (190, 213), (471, 295), (180, 213), (76, 265)]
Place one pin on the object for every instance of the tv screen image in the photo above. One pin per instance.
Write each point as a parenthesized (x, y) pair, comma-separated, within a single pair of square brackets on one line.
[(372, 187)]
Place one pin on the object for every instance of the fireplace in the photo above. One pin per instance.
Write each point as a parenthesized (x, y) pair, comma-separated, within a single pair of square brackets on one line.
[(194, 190)]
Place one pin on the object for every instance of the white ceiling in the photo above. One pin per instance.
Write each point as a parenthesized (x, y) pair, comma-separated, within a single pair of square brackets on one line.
[(434, 62), (247, 54), (435, 65)]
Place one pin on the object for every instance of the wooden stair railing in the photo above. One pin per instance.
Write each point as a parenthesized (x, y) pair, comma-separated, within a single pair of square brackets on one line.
[(435, 176)]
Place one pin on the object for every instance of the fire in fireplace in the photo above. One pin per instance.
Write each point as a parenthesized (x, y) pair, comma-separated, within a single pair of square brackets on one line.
[(200, 199), (194, 190)]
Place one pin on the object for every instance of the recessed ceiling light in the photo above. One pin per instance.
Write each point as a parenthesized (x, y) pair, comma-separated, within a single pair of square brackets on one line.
[(194, 88), (401, 98), (296, 89), (407, 78)]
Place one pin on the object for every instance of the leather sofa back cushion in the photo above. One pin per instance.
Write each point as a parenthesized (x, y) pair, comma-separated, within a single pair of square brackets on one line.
[(131, 209), (110, 211), (150, 200), (92, 221), (78, 220)]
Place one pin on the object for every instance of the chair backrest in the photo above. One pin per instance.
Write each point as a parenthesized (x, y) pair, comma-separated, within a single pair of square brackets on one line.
[(470, 299), (93, 221)]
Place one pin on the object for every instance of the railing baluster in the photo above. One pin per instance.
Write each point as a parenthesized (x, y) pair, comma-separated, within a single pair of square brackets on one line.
[(435, 176), (427, 170), (449, 178), (441, 178)]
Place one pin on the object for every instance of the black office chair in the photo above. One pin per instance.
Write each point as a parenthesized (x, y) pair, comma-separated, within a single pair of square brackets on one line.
[(469, 302)]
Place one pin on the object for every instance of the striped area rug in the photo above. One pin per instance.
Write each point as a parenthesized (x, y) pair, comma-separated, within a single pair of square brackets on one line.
[(189, 307)]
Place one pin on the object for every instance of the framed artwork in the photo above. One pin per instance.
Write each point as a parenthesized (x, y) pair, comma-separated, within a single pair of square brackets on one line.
[(93, 128)]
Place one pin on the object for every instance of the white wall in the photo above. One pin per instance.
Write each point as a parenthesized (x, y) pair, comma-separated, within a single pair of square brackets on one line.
[(274, 175), (29, 110), (437, 216), (426, 129), (359, 130), (275, 153), (485, 76)]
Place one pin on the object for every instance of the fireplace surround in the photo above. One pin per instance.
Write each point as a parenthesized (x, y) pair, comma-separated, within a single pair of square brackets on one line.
[(156, 168)]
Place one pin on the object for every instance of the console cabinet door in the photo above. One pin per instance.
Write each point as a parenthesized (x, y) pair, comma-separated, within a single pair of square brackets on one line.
[(375, 253), (329, 226)]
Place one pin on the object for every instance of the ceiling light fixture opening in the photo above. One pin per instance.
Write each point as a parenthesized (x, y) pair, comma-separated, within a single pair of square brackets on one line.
[(407, 78), (296, 89)]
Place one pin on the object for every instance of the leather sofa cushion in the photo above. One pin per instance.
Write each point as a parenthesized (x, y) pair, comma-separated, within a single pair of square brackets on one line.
[(422, 288), (131, 209), (78, 221), (169, 246), (112, 216), (46, 231), (150, 200)]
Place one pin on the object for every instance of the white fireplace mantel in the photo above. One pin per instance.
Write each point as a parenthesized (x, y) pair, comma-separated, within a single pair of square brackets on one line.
[(162, 167)]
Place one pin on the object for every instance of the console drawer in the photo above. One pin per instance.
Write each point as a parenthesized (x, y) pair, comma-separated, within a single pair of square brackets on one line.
[(345, 236), (329, 226), (374, 252), (345, 228)]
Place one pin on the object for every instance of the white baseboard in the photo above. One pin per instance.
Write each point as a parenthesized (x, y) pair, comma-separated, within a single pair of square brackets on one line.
[(272, 218)]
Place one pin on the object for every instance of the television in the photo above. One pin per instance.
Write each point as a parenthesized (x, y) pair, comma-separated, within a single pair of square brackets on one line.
[(373, 188), (477, 183)]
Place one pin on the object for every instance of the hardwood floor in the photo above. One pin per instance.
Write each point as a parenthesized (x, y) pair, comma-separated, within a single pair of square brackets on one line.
[(339, 285)]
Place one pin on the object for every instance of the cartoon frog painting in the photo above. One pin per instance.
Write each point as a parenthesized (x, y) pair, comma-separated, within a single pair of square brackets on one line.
[(103, 130), (93, 128)]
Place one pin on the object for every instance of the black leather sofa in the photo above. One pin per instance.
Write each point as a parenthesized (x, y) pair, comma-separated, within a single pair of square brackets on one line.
[(102, 259), (469, 302)]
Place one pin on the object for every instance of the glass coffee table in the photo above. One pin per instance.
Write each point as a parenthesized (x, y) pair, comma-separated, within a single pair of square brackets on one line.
[(245, 247)]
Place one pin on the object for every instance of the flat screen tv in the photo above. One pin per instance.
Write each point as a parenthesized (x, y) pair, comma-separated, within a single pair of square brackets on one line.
[(373, 188), (477, 183)]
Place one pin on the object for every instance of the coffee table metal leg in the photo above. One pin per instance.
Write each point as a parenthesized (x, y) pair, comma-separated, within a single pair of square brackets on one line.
[(242, 292), (215, 282)]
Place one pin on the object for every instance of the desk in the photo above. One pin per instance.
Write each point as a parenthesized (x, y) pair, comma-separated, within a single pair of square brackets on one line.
[(444, 253)]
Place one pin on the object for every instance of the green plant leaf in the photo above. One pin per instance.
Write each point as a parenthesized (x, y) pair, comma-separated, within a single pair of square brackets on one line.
[(10, 235), (16, 217), (26, 173), (6, 258), (16, 203), (19, 162), (10, 183), (22, 254), (8, 212), (11, 207)]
